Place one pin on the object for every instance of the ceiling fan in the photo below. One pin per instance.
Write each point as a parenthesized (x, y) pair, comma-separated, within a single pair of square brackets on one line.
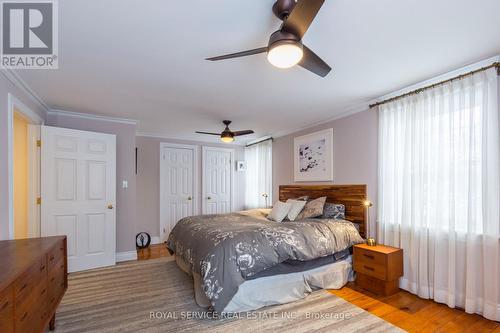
[(227, 135), (285, 48)]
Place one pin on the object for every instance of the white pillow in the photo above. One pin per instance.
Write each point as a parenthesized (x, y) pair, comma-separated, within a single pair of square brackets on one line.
[(297, 206), (280, 211)]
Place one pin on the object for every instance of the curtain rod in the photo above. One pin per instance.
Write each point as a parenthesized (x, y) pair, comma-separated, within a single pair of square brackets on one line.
[(256, 143), (417, 91)]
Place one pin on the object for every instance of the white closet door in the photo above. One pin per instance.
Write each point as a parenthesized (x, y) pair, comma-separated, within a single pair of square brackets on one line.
[(78, 186), (177, 186), (217, 180)]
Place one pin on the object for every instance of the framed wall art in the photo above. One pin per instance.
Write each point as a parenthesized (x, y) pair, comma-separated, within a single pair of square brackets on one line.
[(313, 157)]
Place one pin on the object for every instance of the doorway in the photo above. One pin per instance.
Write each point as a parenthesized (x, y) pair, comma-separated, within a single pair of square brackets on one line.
[(79, 194), (178, 185), (24, 170), (218, 178)]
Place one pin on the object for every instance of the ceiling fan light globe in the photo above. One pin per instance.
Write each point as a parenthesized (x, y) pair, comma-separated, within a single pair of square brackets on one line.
[(227, 139), (285, 54)]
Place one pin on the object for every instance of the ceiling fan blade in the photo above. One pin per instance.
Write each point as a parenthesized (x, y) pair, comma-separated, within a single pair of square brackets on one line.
[(238, 133), (302, 16), (239, 54), (218, 134), (313, 63)]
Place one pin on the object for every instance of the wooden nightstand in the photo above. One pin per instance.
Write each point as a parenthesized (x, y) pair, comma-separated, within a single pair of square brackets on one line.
[(378, 268)]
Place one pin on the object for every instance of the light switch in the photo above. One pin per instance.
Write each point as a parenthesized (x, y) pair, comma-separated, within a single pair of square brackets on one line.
[(124, 184)]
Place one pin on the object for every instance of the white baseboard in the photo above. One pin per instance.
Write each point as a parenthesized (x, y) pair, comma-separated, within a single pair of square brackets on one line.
[(126, 256), (155, 240)]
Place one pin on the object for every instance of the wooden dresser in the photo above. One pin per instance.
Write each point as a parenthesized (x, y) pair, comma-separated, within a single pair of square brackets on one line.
[(33, 280), (378, 268)]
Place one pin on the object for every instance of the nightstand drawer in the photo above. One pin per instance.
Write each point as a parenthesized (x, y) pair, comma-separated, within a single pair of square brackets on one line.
[(371, 269), (370, 257), (379, 267)]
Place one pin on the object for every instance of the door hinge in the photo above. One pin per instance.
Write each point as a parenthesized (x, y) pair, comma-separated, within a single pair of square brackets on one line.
[(38, 143), (38, 201)]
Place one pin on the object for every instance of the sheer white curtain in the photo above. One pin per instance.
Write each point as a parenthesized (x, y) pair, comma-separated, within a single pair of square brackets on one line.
[(259, 175), (439, 191)]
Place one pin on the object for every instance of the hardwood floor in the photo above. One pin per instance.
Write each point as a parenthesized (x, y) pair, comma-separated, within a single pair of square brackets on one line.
[(153, 252), (403, 309), (415, 314)]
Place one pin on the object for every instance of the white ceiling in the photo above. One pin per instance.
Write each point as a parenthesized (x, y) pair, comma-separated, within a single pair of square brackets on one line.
[(145, 59)]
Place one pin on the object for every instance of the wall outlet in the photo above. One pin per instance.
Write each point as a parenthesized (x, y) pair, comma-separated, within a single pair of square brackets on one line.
[(124, 184)]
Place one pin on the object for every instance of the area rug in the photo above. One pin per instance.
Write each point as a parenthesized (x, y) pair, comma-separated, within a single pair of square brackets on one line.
[(156, 296)]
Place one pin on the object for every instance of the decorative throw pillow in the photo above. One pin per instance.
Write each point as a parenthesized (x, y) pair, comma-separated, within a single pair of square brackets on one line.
[(313, 208), (280, 211), (297, 206), (333, 211)]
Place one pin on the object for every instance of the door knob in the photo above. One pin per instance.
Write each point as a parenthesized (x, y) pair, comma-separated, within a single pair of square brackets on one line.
[(209, 198), (189, 198), (110, 206)]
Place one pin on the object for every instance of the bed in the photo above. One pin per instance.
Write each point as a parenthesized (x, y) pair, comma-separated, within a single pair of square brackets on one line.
[(242, 261)]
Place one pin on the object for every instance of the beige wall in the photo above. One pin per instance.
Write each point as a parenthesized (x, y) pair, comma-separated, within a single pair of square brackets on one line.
[(354, 149), (148, 180), (125, 170), (20, 170)]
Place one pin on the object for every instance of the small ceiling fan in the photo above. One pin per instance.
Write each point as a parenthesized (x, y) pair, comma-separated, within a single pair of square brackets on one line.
[(227, 135), (285, 48)]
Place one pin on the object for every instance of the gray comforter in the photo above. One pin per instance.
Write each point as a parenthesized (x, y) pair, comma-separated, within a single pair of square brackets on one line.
[(228, 248)]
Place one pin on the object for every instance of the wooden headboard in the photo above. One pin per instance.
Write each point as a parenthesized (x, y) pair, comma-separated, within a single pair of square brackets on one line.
[(351, 196)]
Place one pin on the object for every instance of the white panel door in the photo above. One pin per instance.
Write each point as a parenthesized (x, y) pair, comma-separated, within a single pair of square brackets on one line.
[(78, 187), (217, 180), (177, 186)]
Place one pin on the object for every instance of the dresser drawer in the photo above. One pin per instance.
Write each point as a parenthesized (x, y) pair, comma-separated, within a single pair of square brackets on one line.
[(371, 269), (369, 257), (43, 311), (7, 310), (26, 320), (56, 254), (30, 313), (29, 280), (57, 282), (57, 272)]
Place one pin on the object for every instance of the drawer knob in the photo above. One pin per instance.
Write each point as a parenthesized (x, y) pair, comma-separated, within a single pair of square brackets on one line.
[(51, 258), (369, 256), (24, 316), (369, 268), (43, 292), (23, 287), (42, 268)]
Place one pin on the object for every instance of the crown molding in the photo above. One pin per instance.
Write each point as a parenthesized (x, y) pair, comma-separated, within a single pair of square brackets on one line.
[(348, 112), (438, 78), (91, 116), (19, 83), (156, 135)]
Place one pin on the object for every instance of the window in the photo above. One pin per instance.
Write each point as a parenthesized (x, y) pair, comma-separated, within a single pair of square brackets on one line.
[(259, 179), (439, 191)]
